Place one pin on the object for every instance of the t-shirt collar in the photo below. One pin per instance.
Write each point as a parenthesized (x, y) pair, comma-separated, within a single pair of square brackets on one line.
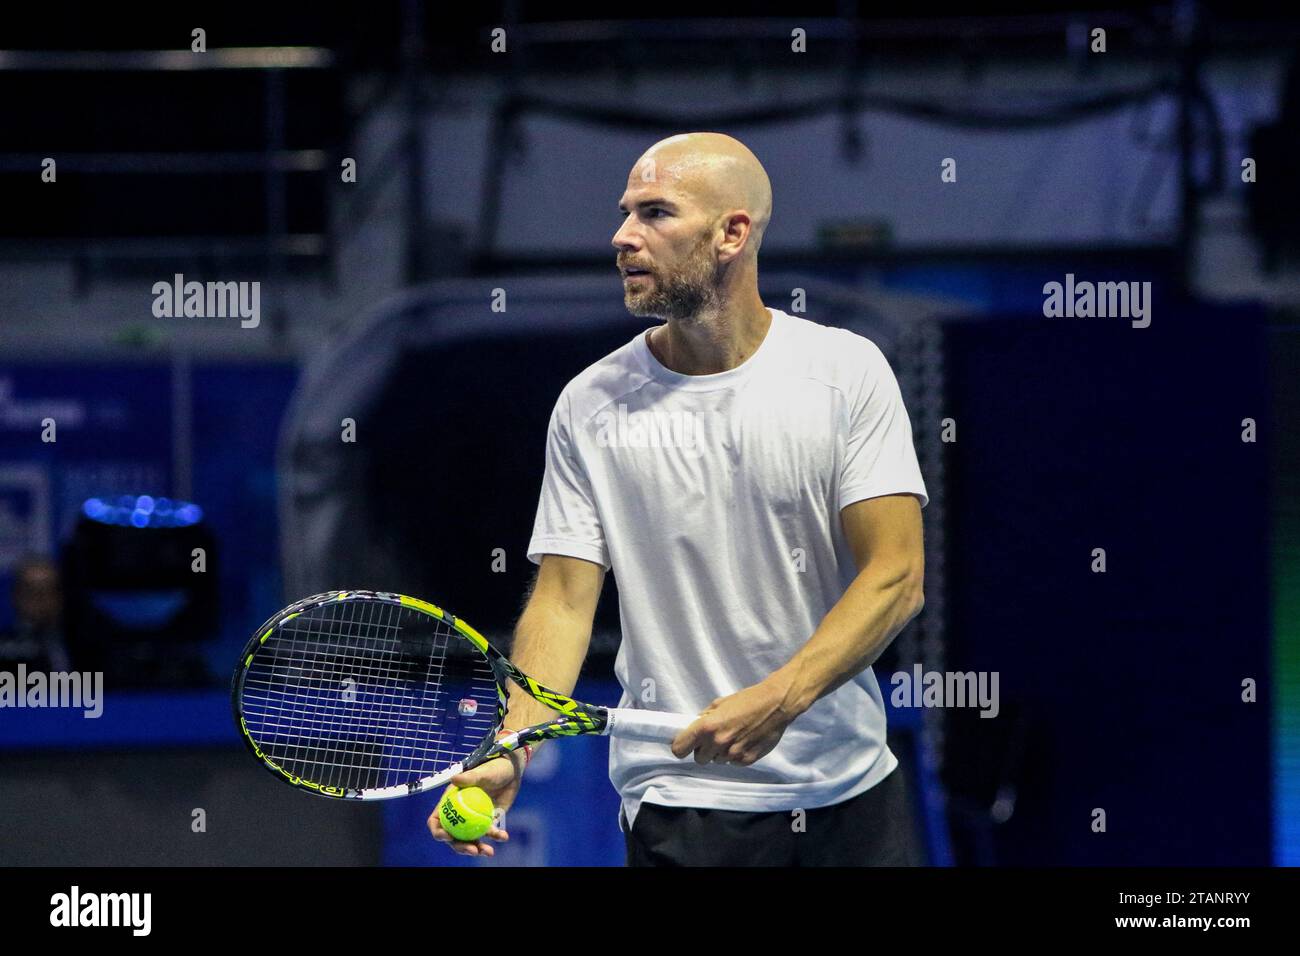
[(658, 371)]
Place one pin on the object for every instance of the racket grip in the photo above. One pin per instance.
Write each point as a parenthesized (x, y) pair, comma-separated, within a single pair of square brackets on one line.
[(654, 725)]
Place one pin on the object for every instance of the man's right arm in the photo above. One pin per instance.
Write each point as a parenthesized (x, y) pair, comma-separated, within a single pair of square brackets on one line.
[(554, 633)]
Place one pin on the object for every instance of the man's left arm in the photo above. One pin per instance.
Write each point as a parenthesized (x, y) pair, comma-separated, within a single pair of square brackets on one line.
[(886, 538)]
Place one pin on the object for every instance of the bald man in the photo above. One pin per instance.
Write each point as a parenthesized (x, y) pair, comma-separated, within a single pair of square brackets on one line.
[(750, 478)]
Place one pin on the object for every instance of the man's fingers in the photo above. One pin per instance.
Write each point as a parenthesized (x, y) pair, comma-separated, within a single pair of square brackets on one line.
[(493, 776), (480, 847), (712, 744), (440, 834), (471, 847), (707, 752), (435, 828), (685, 741)]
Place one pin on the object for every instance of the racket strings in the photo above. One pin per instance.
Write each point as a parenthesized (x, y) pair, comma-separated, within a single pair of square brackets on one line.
[(364, 694)]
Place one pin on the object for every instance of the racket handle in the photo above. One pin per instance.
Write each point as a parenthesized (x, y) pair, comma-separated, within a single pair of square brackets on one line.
[(654, 725)]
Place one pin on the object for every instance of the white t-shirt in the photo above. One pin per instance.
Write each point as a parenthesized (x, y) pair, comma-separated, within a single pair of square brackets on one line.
[(716, 500)]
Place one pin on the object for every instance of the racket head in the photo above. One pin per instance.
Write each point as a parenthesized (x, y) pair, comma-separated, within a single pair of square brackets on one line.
[(368, 695)]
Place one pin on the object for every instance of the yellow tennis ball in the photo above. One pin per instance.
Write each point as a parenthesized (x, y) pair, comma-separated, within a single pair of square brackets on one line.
[(466, 814)]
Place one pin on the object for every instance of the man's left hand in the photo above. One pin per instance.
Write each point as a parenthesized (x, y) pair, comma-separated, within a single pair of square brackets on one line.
[(740, 728)]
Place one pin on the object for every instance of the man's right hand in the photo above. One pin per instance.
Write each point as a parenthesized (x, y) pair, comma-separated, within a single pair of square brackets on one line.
[(500, 779)]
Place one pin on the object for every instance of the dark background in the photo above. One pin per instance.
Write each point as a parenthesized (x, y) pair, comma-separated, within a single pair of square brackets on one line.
[(481, 172)]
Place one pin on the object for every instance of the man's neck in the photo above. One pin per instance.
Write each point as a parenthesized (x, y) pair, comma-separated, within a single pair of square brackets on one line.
[(712, 344)]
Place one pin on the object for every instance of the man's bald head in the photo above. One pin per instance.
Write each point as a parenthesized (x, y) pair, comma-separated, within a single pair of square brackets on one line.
[(717, 171), (694, 212)]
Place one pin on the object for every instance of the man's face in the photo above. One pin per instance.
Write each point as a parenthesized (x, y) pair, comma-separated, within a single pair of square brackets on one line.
[(37, 597), (668, 238)]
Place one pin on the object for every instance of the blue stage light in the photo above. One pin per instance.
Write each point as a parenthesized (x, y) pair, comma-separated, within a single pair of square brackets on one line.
[(142, 511)]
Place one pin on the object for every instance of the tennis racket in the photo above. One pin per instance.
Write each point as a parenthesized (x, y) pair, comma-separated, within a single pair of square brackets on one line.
[(365, 695)]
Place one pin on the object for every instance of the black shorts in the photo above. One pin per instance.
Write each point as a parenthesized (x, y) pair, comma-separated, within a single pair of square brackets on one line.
[(875, 828)]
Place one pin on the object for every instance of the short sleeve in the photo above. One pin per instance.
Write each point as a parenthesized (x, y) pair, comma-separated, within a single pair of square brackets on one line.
[(567, 522), (879, 458)]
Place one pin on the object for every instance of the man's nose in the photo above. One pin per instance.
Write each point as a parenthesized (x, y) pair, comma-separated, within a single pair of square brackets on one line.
[(625, 239)]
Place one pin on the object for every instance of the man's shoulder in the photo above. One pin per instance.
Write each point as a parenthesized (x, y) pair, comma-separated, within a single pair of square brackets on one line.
[(603, 381), (830, 350)]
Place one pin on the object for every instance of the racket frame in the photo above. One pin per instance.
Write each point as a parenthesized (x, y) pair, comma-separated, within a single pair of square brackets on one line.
[(575, 718)]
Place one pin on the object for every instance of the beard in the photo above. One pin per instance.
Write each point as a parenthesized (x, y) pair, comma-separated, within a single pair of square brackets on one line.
[(682, 295)]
